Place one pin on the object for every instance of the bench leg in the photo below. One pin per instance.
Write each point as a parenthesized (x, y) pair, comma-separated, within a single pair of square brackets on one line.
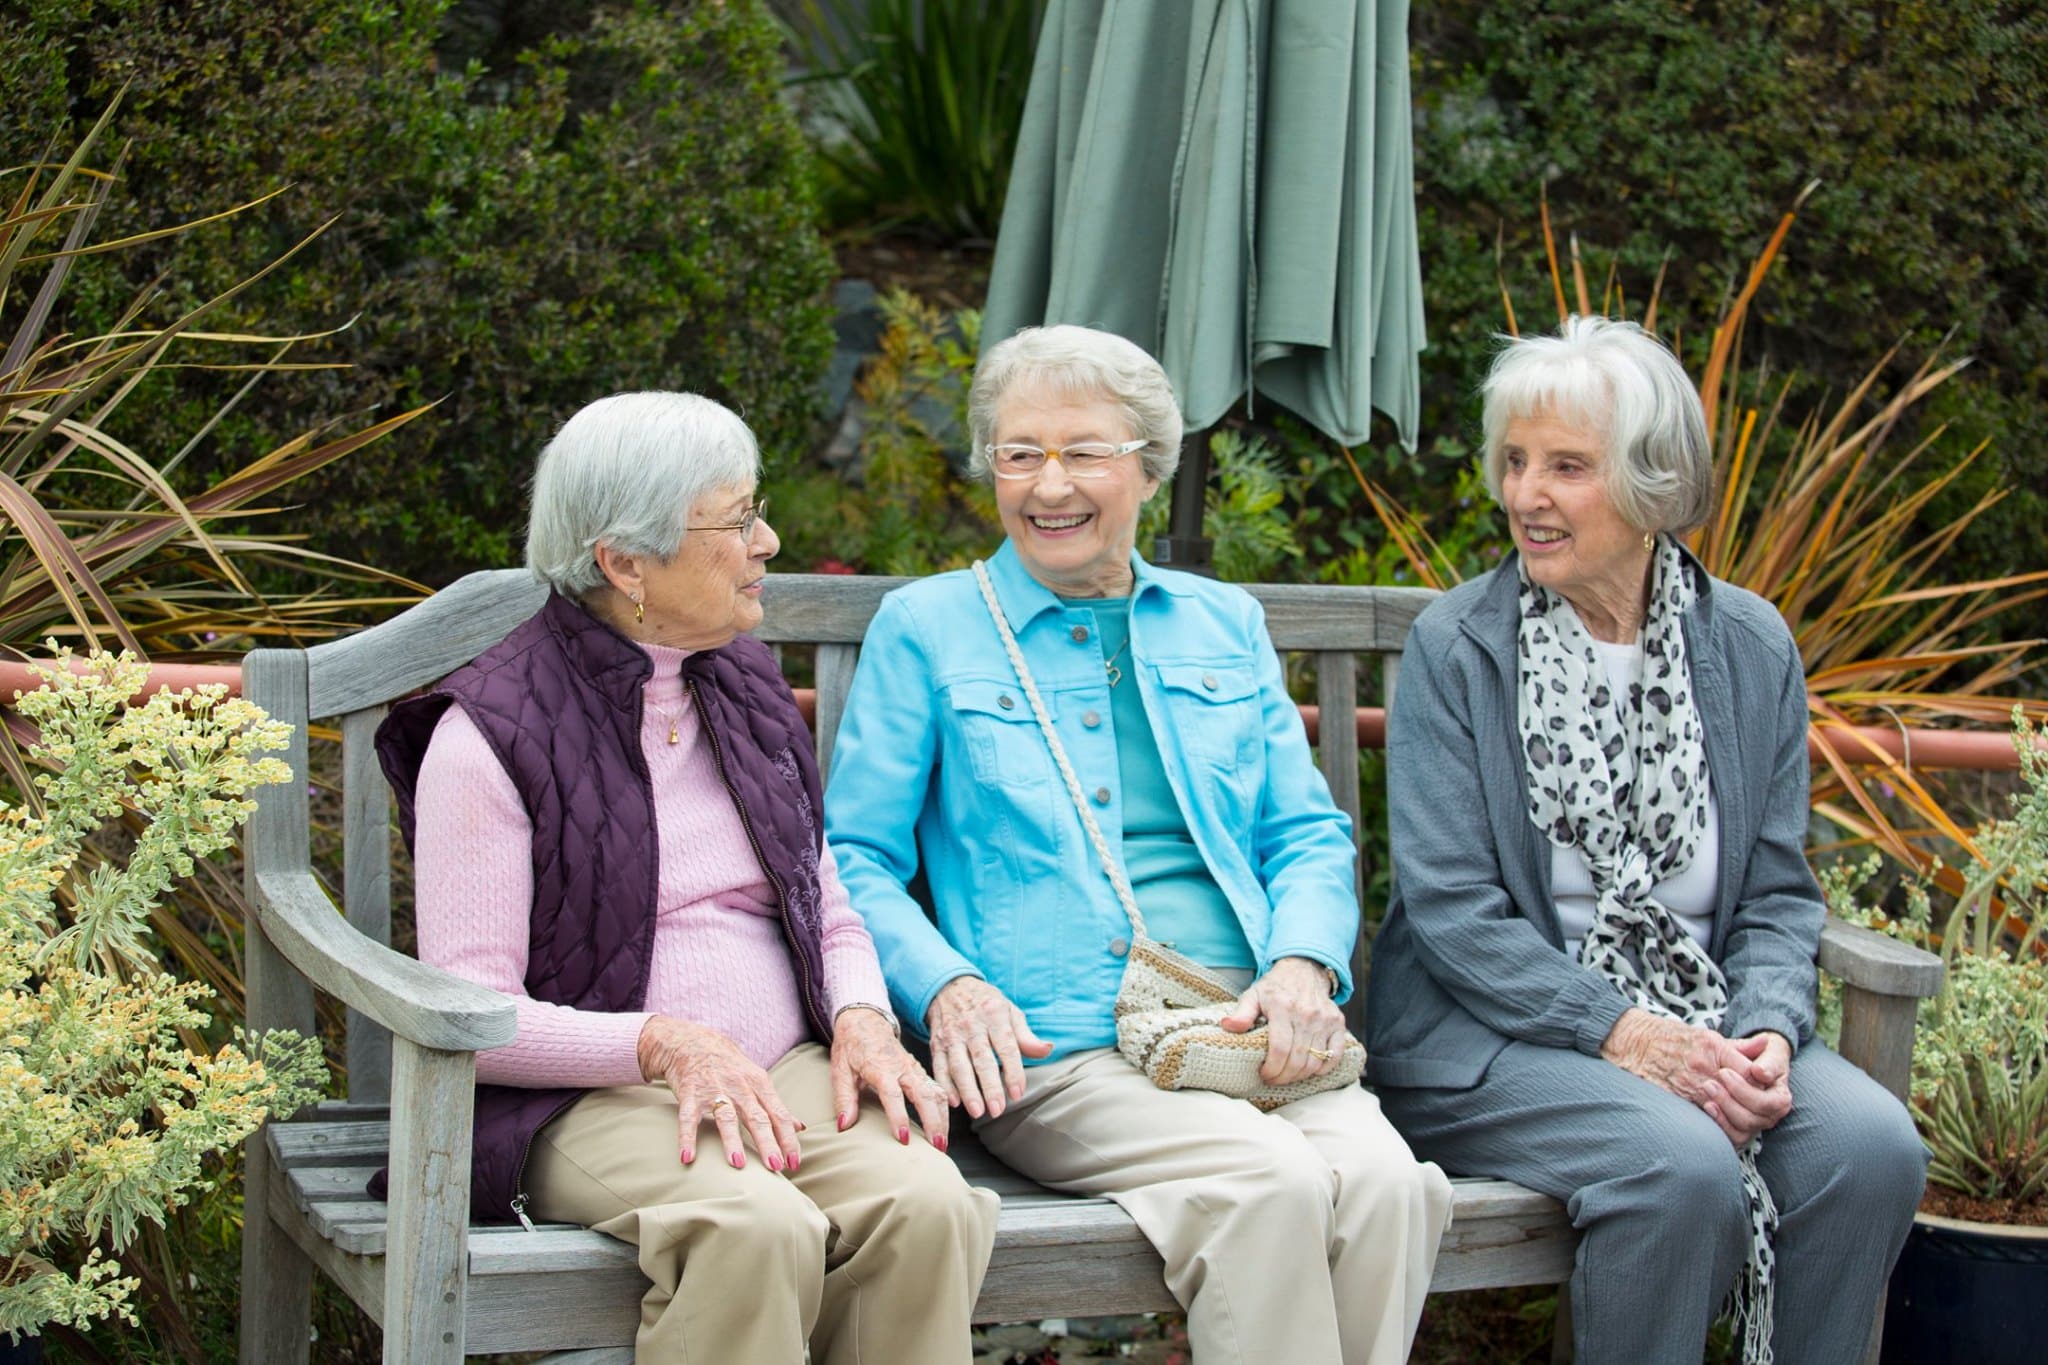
[(1561, 1347), (426, 1264), (277, 1277)]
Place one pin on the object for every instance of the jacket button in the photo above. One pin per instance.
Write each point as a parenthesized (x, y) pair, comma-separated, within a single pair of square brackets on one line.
[(1007, 702), (1080, 634), (1091, 719), (1119, 947), (1209, 681), (1102, 796)]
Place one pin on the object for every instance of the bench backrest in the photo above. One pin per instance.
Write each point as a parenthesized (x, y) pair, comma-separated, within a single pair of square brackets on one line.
[(354, 680)]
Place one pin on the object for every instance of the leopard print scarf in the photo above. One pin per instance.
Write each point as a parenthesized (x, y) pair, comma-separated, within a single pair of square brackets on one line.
[(1624, 781)]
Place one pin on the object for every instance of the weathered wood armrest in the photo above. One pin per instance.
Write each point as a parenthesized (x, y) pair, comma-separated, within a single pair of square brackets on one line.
[(1884, 981), (1869, 961), (424, 1004)]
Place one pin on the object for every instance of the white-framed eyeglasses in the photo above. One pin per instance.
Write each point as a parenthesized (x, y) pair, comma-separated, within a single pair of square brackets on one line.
[(1081, 460), (749, 519)]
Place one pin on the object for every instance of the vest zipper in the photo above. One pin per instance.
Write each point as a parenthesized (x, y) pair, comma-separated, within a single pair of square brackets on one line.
[(781, 892), (519, 1196)]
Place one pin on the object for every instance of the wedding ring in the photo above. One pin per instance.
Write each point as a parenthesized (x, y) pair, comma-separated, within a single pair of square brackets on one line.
[(725, 1100), (1320, 1055)]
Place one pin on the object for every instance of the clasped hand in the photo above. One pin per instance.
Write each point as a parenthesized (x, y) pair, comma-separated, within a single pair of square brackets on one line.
[(1742, 1084)]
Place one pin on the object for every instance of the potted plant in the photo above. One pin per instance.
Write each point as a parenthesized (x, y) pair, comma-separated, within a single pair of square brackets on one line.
[(1972, 1282), (111, 1102)]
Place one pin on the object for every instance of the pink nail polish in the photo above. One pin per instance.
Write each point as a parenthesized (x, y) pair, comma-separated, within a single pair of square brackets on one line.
[(792, 1164), (845, 1122), (903, 1136), (774, 1162), (739, 1161), (940, 1142), (689, 1157)]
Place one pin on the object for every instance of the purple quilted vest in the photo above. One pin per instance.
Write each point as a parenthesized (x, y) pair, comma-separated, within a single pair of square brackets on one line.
[(559, 701)]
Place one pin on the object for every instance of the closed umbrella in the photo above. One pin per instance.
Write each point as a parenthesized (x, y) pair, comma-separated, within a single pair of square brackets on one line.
[(1228, 183)]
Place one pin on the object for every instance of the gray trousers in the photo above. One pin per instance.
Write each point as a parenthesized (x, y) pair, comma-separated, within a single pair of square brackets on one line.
[(1655, 1191)]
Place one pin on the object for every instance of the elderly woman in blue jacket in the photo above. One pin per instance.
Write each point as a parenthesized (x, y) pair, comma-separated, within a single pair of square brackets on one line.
[(1304, 1235), (1596, 976)]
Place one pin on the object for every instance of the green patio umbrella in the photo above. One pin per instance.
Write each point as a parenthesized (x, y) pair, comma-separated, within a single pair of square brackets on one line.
[(1228, 183)]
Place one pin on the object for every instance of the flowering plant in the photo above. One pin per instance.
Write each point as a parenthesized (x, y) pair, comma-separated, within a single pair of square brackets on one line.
[(1980, 1060), (108, 1110)]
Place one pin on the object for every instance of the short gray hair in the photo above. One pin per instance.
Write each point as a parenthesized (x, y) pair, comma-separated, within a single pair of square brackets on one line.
[(1080, 364), (1619, 382), (625, 471)]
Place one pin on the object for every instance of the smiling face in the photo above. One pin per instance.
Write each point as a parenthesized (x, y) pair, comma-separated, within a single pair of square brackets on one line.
[(1572, 540), (709, 592), (1073, 535)]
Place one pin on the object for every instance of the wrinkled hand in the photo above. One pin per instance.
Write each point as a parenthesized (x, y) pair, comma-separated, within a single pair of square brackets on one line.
[(1723, 1077), (979, 1043), (866, 1052), (1752, 1098), (713, 1079), (1307, 1028)]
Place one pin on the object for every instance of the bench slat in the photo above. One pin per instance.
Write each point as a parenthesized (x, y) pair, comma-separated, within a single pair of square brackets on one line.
[(802, 609), (1055, 1254)]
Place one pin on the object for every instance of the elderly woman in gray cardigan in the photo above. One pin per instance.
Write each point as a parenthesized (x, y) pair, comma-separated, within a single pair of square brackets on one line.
[(1596, 976)]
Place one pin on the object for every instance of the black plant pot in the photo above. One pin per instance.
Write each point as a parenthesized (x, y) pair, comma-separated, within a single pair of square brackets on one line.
[(1968, 1292)]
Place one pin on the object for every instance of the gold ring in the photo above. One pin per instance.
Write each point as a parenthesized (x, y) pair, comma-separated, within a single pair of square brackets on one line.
[(1320, 1055), (725, 1100)]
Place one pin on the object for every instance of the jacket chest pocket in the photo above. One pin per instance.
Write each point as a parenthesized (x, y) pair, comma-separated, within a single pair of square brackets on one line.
[(994, 724), (1215, 710)]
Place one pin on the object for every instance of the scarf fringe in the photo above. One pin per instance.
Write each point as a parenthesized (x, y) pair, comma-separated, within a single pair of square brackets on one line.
[(1754, 1298)]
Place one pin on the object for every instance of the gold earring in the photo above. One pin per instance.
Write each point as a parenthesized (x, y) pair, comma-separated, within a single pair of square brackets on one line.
[(1649, 540), (639, 611)]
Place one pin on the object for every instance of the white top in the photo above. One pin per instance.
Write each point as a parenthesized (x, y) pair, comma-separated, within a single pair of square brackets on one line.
[(1689, 895)]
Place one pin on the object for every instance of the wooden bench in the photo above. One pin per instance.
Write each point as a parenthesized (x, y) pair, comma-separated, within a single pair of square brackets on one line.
[(442, 1287)]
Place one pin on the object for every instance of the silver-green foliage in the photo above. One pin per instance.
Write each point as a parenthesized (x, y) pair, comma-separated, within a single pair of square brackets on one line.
[(1980, 1060), (108, 1115)]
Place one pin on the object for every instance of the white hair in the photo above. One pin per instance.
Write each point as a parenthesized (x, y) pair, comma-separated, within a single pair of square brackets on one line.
[(1618, 382), (625, 472), (1079, 364)]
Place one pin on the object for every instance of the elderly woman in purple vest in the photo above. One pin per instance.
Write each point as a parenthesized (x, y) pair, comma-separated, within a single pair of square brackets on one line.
[(614, 817)]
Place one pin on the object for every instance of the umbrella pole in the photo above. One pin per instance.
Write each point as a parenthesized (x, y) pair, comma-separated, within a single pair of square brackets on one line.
[(1184, 546)]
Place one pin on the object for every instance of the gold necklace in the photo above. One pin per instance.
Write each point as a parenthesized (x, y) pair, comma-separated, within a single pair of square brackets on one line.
[(675, 720)]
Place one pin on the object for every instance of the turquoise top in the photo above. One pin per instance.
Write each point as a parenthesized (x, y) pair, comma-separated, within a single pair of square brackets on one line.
[(1183, 906), (940, 773)]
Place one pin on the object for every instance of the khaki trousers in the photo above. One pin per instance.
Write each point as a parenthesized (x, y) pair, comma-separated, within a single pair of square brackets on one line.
[(872, 1253), (1307, 1235)]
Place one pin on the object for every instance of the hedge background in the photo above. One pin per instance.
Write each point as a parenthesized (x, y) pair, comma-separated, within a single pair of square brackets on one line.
[(538, 205), (1691, 125), (543, 202)]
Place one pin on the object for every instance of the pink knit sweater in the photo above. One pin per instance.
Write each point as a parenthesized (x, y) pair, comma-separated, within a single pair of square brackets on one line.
[(719, 958)]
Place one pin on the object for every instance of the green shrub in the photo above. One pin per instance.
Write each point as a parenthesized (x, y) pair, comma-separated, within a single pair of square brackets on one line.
[(1659, 127), (624, 205), (917, 104)]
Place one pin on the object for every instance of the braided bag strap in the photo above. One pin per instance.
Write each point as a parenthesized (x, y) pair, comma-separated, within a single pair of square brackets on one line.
[(1059, 752)]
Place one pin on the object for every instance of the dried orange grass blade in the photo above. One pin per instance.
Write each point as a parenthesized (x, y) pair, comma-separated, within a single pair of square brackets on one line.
[(1731, 322), (1550, 251)]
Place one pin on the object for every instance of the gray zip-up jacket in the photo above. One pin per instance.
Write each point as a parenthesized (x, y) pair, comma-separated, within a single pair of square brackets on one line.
[(1471, 955)]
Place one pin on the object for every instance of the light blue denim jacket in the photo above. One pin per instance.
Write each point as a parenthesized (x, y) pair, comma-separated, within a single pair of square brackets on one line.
[(940, 768)]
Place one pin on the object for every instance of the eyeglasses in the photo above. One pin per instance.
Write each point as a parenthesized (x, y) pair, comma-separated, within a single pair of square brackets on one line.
[(1081, 460), (749, 519)]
